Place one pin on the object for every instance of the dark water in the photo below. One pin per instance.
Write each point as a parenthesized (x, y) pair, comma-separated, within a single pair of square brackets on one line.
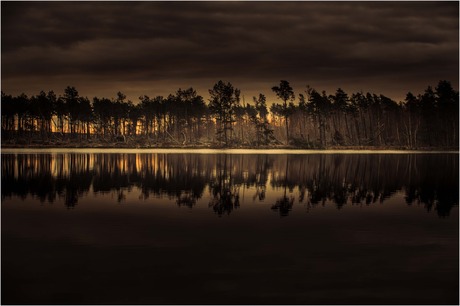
[(94, 228)]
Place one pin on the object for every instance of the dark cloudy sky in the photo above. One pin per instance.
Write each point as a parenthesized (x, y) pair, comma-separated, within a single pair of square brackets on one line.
[(154, 48)]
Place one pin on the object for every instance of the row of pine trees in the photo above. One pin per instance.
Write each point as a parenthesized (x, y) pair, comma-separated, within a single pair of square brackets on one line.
[(310, 119)]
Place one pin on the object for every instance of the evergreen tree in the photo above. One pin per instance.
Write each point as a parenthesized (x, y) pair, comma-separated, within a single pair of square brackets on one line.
[(285, 92), (222, 104)]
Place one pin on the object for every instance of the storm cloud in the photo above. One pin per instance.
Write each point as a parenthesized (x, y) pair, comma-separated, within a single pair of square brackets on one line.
[(154, 48)]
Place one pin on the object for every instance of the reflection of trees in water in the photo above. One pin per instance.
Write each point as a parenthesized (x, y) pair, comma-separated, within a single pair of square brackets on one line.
[(436, 186), (430, 180), (19, 177), (114, 172), (46, 177), (186, 199), (284, 204), (176, 176), (224, 186)]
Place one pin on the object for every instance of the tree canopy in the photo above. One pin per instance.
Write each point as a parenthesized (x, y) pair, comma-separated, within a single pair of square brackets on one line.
[(312, 120)]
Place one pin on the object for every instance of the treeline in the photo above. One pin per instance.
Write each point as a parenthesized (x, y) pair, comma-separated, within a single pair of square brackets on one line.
[(310, 119)]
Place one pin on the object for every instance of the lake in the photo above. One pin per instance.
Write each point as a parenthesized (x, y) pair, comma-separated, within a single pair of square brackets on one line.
[(228, 227)]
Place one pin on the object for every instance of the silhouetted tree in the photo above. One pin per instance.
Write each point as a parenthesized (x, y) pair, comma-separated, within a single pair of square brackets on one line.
[(21, 106), (340, 102), (318, 106), (102, 109), (190, 109), (447, 102), (222, 104), (119, 114), (85, 115), (429, 124), (264, 133), (72, 107), (8, 112), (286, 94), (134, 115), (42, 107)]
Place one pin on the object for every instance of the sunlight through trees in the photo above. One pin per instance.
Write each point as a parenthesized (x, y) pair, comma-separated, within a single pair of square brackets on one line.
[(312, 120)]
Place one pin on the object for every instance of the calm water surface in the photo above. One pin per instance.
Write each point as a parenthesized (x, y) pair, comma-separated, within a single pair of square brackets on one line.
[(193, 228)]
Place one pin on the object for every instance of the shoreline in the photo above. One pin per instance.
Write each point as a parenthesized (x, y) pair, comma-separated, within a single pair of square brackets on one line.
[(142, 143), (219, 149)]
